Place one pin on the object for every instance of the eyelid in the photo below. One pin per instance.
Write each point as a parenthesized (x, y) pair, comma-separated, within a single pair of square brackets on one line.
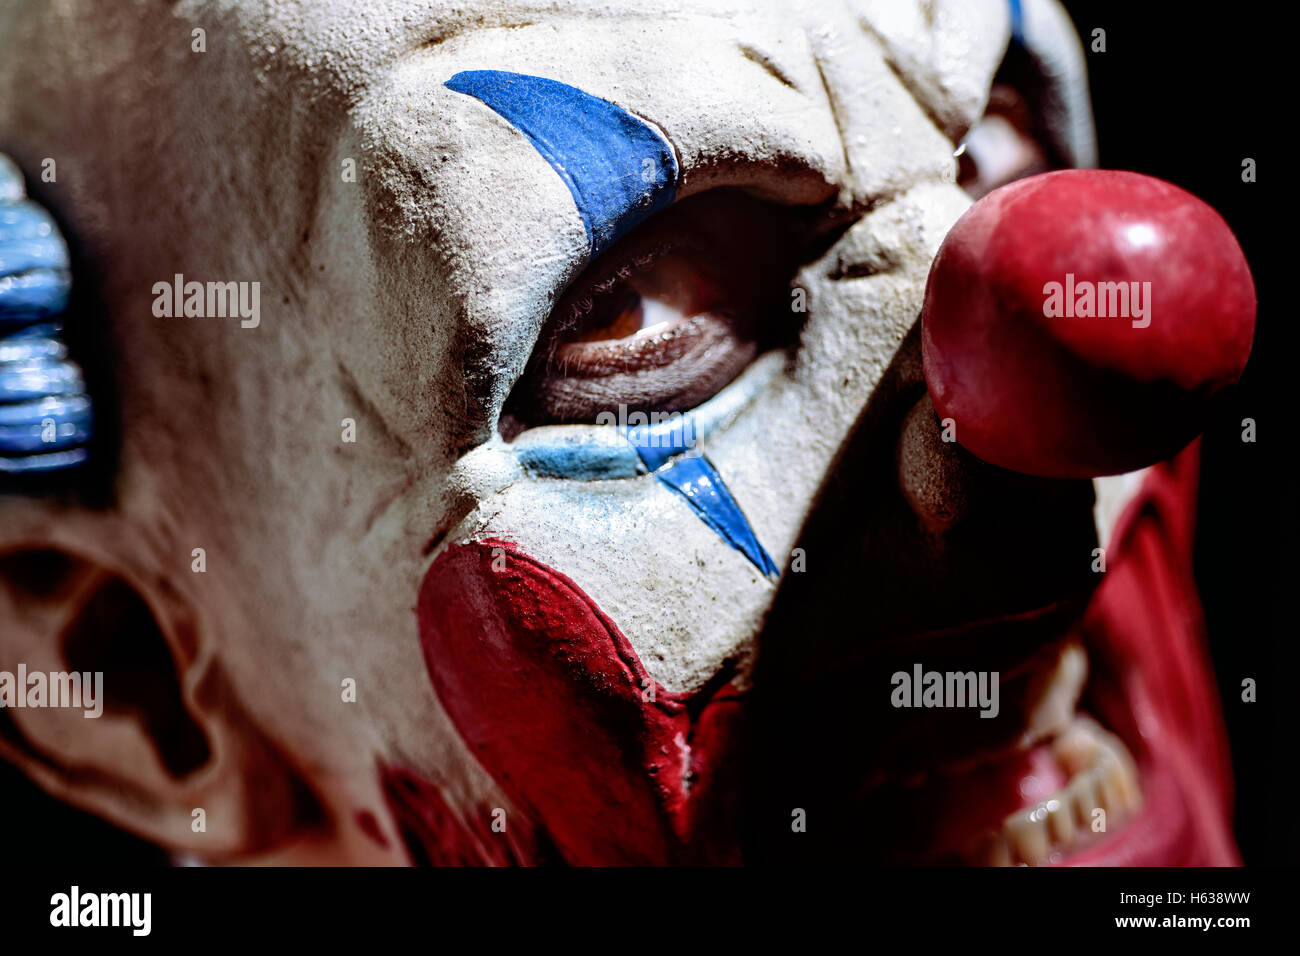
[(576, 307), (737, 255)]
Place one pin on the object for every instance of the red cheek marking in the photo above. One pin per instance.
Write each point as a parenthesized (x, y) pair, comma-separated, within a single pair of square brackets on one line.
[(553, 701)]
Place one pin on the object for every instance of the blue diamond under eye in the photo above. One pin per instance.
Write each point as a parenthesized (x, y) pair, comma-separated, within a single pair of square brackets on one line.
[(695, 479), (45, 415)]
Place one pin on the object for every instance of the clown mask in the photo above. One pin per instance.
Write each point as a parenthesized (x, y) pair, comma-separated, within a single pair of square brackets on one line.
[(511, 443)]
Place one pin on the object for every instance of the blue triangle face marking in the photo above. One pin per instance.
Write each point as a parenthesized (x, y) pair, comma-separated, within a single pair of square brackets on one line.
[(618, 168), (695, 479), (661, 447)]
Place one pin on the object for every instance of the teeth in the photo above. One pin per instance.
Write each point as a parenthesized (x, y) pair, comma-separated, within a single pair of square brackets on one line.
[(1057, 695), (1027, 834), (1076, 747), (1060, 822), (1083, 791), (1103, 776)]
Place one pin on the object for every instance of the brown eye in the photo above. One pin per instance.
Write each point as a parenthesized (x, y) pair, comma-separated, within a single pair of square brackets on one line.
[(667, 320), (654, 297), (623, 315)]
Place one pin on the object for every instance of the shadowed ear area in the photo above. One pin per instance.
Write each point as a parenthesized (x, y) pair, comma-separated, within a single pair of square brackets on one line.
[(111, 701)]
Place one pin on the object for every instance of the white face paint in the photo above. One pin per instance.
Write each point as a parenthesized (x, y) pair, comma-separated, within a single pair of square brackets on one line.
[(410, 297)]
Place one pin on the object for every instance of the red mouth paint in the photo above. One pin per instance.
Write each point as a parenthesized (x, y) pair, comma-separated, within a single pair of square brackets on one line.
[(437, 834), (556, 706)]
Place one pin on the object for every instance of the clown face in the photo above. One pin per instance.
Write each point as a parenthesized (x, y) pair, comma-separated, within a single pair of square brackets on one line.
[(575, 495)]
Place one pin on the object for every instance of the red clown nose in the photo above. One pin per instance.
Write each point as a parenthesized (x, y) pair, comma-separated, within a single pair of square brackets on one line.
[(1078, 323)]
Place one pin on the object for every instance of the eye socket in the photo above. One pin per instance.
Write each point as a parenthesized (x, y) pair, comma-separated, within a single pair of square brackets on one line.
[(667, 317)]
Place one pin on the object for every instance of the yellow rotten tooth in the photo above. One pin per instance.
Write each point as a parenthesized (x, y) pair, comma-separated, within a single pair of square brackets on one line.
[(1060, 821), (1083, 793), (1027, 833), (1076, 749), (1108, 791)]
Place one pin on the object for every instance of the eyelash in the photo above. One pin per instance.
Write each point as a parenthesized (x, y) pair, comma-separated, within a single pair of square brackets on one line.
[(582, 308)]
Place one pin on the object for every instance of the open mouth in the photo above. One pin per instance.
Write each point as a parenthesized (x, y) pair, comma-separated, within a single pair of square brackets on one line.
[(1091, 773), (1100, 748), (1057, 785)]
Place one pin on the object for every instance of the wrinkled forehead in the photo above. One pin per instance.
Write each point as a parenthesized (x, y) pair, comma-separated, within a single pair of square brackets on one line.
[(291, 75), (934, 41)]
